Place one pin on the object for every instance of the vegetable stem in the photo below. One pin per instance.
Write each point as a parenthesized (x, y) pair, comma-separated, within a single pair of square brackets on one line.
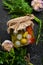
[(40, 26)]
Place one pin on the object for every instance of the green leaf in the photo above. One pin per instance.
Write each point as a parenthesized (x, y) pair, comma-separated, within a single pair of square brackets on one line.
[(7, 5), (1, 62), (12, 52)]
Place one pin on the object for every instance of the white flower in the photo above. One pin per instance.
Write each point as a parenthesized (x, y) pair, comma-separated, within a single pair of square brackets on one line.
[(37, 5), (7, 45)]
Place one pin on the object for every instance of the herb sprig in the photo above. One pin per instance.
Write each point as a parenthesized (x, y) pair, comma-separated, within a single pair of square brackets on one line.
[(17, 7), (13, 57)]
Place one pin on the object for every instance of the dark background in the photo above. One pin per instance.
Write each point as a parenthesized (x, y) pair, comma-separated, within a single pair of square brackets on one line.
[(36, 52)]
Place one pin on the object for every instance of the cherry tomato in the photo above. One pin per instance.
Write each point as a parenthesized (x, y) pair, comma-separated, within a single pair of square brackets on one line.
[(31, 41), (30, 31)]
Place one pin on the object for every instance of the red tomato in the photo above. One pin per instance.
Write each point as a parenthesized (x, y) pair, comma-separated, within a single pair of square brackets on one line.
[(30, 31), (32, 40)]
